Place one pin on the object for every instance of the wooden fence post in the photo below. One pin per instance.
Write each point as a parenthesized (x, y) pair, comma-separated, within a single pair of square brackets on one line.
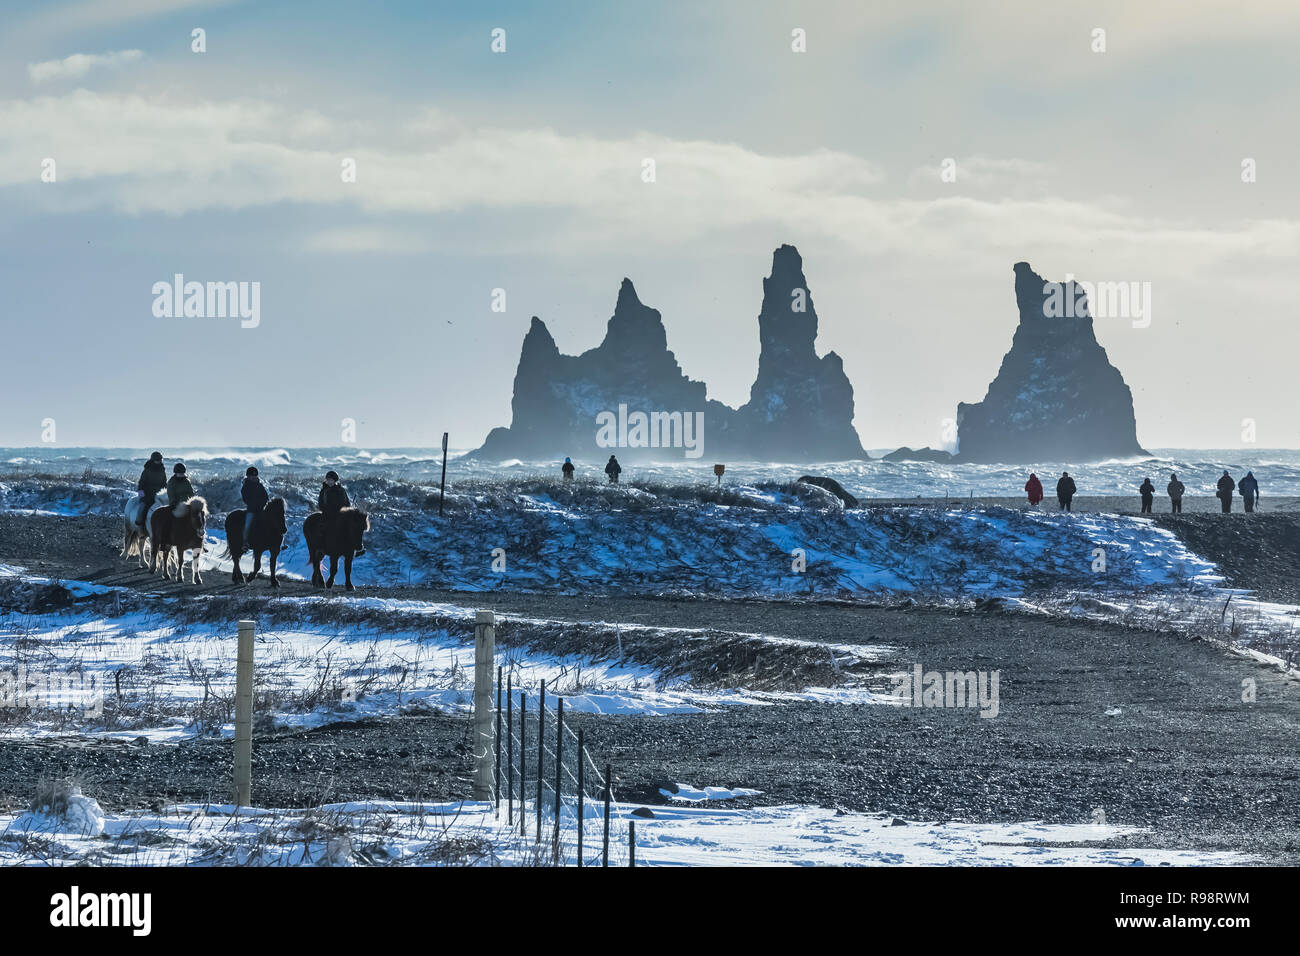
[(484, 652), (244, 716)]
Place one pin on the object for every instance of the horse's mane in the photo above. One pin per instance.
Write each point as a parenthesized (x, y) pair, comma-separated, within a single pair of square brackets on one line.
[(347, 514), (277, 504), (200, 503)]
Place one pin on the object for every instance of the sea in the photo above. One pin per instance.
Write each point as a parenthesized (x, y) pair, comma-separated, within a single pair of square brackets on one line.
[(1278, 470)]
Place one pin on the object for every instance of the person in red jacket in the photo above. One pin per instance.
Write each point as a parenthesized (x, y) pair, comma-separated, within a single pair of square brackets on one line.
[(1035, 489)]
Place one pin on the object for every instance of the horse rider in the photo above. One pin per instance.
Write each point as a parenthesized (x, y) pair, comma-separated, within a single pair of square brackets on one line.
[(255, 498), (332, 499), (153, 479), (179, 489)]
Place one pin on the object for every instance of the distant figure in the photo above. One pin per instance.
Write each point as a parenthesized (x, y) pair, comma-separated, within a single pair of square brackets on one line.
[(1249, 488), (255, 498), (1175, 489), (567, 468), (153, 479), (1035, 489), (1065, 490), (613, 469), (179, 489), (1148, 493), (1226, 484)]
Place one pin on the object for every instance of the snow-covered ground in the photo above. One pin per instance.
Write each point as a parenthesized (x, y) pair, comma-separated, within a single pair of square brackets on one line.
[(176, 678), (701, 833)]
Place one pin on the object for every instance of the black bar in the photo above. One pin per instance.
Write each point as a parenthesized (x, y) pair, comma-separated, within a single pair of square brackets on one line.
[(631, 843)]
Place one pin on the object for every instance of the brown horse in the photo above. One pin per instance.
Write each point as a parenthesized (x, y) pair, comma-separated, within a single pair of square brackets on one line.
[(340, 535), (182, 528), (268, 535)]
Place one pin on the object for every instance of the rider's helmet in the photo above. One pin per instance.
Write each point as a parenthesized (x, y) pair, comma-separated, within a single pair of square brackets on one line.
[(156, 456), (331, 476), (178, 469), (252, 472)]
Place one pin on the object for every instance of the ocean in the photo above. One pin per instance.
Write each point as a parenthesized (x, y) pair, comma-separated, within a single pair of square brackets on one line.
[(1278, 470)]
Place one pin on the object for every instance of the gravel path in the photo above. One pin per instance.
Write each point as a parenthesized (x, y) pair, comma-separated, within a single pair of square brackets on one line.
[(1184, 756)]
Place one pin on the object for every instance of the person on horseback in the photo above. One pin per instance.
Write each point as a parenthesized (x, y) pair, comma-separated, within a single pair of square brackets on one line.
[(255, 498), (153, 479), (332, 499), (179, 489)]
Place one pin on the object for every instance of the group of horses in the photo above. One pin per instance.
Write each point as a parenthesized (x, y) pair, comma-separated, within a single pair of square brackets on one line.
[(176, 530)]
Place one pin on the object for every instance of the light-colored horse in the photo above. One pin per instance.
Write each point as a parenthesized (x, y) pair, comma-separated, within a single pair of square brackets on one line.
[(134, 541)]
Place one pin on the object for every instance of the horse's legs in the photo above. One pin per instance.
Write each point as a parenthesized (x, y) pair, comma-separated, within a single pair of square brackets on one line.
[(333, 570), (257, 564), (273, 554), (347, 570), (195, 577), (237, 552), (317, 579)]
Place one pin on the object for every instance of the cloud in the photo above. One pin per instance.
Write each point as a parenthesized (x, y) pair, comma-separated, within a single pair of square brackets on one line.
[(542, 189), (79, 64)]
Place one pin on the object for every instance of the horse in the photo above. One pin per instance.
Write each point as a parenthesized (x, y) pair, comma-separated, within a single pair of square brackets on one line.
[(135, 541), (341, 536), (182, 528), (268, 535)]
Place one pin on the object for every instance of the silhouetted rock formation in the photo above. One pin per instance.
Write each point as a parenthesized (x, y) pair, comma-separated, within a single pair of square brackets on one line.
[(629, 397), (918, 454), (800, 406), (1056, 395)]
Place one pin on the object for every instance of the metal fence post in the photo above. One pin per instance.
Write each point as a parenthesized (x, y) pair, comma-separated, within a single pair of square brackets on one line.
[(244, 716)]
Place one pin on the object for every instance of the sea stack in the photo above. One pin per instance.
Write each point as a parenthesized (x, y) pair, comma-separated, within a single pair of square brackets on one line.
[(629, 397), (1056, 396), (800, 406)]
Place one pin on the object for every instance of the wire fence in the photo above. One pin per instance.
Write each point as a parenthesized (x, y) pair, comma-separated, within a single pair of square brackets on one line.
[(549, 786)]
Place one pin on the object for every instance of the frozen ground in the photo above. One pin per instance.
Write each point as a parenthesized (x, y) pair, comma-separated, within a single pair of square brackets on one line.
[(698, 834)]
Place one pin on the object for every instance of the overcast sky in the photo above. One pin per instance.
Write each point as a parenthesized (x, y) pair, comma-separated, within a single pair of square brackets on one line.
[(522, 171)]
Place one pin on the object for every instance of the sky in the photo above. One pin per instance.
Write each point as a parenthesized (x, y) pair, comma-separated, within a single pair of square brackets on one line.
[(522, 170)]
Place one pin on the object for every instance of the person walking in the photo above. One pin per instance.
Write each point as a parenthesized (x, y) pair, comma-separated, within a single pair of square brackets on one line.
[(613, 469), (1065, 489), (1034, 488), (567, 469), (1148, 492), (1175, 489), (1226, 484), (1249, 488)]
